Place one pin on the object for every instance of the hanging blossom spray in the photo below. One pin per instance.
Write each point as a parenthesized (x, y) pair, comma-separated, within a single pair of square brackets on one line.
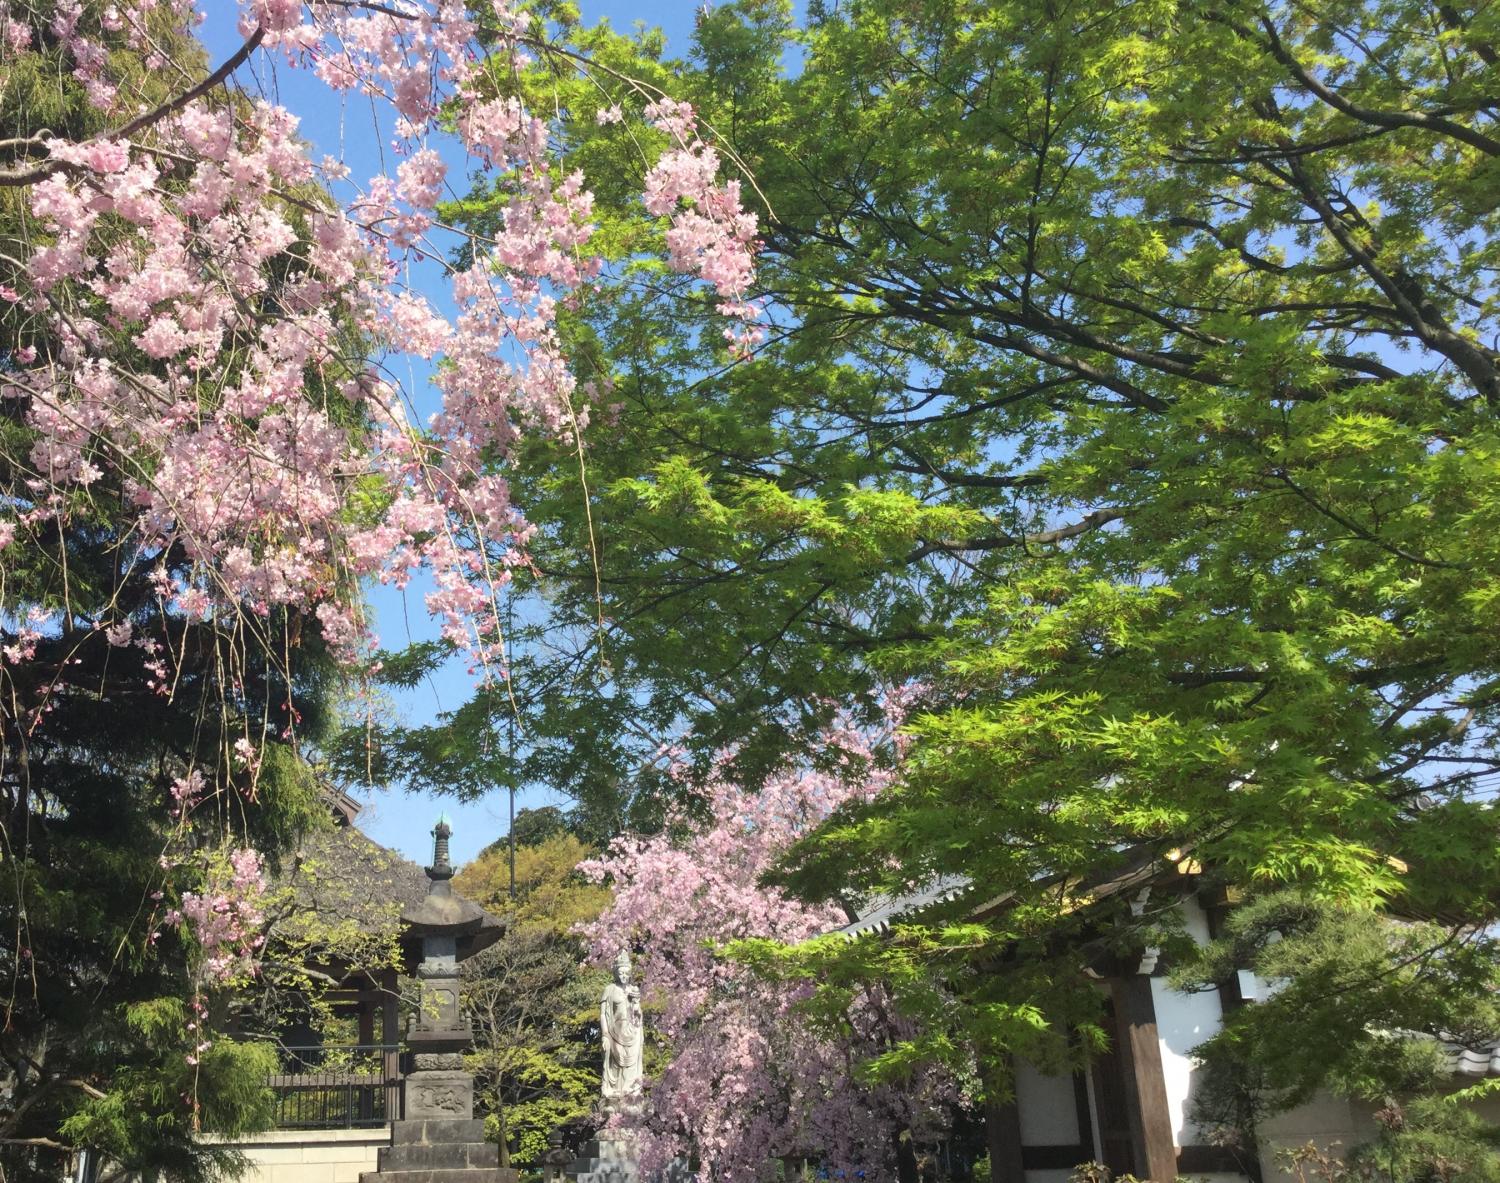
[(195, 282), (750, 1078)]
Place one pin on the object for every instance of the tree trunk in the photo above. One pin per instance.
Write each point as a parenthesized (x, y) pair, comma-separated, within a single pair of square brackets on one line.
[(906, 1158), (504, 1132)]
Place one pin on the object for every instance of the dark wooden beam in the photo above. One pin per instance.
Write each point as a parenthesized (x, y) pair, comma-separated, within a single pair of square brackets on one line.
[(1154, 1147), (1112, 1107), (367, 1008), (390, 1035), (1002, 1128), (1084, 1117), (1054, 1158)]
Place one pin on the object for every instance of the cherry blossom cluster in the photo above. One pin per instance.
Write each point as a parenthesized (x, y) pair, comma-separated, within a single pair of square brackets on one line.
[(224, 920), (215, 333), (712, 234), (750, 1079), (221, 924), (195, 285)]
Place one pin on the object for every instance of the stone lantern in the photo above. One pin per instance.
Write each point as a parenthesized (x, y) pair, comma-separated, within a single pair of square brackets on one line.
[(555, 1162), (440, 932), (439, 1140)]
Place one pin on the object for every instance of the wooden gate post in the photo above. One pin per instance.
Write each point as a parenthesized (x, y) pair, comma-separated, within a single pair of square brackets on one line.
[(1145, 1085)]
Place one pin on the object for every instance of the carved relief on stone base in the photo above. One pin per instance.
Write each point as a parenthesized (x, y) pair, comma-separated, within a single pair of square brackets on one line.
[(439, 1095), (440, 1061)]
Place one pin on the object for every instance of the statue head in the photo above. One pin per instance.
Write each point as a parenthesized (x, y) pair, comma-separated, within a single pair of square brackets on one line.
[(622, 966)]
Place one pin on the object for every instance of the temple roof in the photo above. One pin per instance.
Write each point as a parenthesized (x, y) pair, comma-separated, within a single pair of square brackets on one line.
[(1468, 1061), (877, 913)]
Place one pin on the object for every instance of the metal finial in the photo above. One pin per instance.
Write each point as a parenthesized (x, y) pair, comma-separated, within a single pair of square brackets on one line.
[(441, 868)]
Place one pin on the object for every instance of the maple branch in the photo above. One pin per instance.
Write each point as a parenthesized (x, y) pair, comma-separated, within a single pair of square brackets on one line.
[(1090, 521), (1391, 119), (1362, 533)]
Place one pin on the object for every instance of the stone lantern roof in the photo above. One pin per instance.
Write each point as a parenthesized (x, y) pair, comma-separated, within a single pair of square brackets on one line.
[(441, 913)]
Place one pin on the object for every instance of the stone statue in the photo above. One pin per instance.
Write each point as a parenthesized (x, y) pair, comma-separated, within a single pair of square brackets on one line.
[(623, 1033)]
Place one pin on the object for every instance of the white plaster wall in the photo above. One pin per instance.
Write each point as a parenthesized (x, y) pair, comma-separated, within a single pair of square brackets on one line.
[(1194, 920), (1046, 1108), (1183, 1021), (309, 1156)]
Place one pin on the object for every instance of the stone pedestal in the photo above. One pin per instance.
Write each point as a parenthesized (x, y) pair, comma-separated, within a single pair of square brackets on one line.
[(612, 1157), (439, 1151)]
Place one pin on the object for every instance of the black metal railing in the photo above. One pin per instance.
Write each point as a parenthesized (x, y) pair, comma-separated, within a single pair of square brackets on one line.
[(337, 1086)]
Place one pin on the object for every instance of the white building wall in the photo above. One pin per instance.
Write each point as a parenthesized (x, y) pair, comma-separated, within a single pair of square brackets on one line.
[(1047, 1109), (1183, 1021), (309, 1156)]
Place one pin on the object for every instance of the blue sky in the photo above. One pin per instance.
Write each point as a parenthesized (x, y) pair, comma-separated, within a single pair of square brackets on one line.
[(348, 132)]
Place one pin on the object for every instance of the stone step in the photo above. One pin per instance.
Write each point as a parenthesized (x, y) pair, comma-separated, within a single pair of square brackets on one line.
[(414, 1156), (613, 1172), (438, 1129), (444, 1175)]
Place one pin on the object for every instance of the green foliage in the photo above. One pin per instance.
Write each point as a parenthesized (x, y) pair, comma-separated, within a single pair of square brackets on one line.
[(557, 1094), (1132, 386), (551, 897), (534, 1005), (1428, 1140), (137, 1121), (534, 826), (1359, 1005), (1424, 1142)]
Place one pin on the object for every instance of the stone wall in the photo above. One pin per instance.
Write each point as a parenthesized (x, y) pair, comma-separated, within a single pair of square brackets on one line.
[(309, 1156), (1335, 1124)]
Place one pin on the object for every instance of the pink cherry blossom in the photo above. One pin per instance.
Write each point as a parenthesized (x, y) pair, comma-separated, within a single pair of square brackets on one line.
[(198, 293), (749, 1078), (222, 921), (187, 791)]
